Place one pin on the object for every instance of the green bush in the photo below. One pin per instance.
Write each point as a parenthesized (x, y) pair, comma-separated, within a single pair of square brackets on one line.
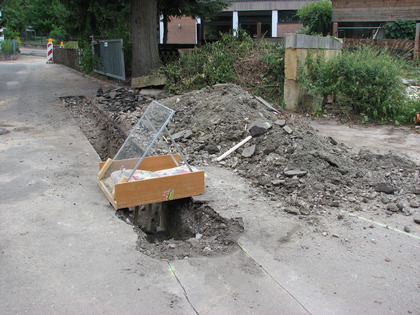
[(367, 79), (218, 62), (208, 65), (6, 46), (87, 58), (316, 18), (400, 29)]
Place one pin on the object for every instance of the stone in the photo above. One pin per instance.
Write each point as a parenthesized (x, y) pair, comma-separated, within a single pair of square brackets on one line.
[(277, 182), (414, 204), (407, 229), (385, 188), (292, 210), (416, 220), (4, 131), (304, 211), (112, 95), (288, 130), (293, 173), (184, 134), (258, 128), (280, 122), (392, 207), (249, 151), (213, 149)]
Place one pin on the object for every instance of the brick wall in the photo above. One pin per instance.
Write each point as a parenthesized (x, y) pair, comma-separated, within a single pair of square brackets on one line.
[(182, 31), (287, 28)]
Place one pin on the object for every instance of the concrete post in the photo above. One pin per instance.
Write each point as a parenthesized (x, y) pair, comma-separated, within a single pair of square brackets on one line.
[(274, 22), (235, 23)]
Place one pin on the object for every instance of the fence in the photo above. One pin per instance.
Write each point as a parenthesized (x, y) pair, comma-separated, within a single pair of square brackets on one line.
[(404, 47), (109, 59)]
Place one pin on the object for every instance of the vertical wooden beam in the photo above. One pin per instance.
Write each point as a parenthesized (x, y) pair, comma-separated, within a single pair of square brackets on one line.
[(417, 42), (335, 29), (259, 30)]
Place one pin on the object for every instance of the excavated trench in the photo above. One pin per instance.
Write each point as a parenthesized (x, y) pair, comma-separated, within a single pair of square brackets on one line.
[(191, 228)]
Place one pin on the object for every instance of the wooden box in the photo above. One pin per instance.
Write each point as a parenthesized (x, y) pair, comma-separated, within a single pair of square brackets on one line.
[(147, 191)]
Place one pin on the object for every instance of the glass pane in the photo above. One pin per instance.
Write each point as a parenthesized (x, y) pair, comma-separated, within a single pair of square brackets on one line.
[(145, 132)]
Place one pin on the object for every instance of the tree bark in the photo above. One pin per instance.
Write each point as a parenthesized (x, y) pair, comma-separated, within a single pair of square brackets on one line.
[(144, 33)]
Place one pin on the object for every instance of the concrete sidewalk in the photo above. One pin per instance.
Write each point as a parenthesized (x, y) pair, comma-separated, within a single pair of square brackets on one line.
[(63, 251)]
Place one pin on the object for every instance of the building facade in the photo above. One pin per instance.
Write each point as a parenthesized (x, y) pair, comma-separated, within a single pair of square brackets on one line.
[(271, 19), (364, 19)]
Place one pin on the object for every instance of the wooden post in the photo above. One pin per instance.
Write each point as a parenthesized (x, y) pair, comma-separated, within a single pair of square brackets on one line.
[(259, 31), (335, 29), (417, 42)]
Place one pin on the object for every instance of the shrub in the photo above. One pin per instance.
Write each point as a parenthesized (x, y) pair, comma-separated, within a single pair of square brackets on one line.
[(400, 29), (256, 65), (316, 18), (6, 46), (367, 79), (87, 58)]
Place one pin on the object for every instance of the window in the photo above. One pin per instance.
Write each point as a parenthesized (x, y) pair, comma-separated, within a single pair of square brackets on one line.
[(288, 16)]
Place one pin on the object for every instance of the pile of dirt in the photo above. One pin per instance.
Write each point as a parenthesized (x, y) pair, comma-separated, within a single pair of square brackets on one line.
[(290, 160), (286, 158)]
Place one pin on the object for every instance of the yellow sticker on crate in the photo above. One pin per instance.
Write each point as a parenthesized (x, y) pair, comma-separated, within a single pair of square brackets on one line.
[(169, 194)]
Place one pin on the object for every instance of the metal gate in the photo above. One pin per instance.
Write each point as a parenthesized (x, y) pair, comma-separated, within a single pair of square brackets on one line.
[(109, 58)]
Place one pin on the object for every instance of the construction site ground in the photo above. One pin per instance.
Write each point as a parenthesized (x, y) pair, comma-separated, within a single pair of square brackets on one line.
[(63, 249)]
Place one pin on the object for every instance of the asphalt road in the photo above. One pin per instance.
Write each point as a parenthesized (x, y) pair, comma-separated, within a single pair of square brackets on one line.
[(63, 251)]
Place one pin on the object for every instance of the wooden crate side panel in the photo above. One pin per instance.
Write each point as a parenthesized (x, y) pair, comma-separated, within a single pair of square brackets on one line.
[(151, 163), (159, 189), (107, 194)]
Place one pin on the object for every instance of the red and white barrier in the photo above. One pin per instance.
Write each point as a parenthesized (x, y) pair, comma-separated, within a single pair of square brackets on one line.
[(50, 47)]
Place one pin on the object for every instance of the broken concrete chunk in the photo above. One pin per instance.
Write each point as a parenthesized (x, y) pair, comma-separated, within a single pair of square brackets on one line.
[(392, 207), (213, 149), (280, 122), (385, 188), (277, 182), (112, 95), (292, 210), (259, 127), (184, 134), (293, 173), (288, 130), (249, 151)]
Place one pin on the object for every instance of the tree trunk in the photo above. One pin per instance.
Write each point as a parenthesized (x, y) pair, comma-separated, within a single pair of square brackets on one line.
[(144, 26)]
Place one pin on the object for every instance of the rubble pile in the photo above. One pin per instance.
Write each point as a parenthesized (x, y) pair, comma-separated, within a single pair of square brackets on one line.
[(286, 157)]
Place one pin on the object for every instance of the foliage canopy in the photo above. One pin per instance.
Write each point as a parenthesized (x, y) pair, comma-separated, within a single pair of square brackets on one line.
[(316, 18)]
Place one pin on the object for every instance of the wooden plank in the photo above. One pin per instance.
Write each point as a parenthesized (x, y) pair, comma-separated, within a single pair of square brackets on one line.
[(104, 168), (149, 80), (159, 189), (107, 194)]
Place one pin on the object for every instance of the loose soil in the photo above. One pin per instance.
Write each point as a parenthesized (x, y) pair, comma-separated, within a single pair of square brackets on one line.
[(310, 176)]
